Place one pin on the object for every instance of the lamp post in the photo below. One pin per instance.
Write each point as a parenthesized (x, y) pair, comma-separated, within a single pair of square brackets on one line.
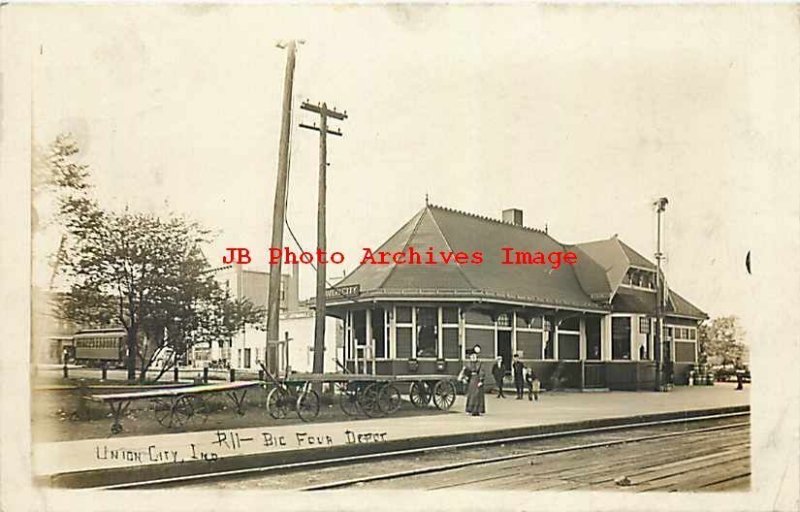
[(662, 367)]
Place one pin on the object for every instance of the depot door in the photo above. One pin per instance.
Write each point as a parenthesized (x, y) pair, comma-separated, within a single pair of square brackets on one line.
[(504, 348)]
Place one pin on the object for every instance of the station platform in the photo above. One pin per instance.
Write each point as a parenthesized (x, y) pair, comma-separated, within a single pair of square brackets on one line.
[(119, 460)]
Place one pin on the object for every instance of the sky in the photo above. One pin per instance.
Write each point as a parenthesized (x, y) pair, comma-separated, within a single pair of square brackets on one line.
[(581, 116)]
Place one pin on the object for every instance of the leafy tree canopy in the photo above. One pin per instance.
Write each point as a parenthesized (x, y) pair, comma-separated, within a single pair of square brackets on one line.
[(142, 271), (721, 340)]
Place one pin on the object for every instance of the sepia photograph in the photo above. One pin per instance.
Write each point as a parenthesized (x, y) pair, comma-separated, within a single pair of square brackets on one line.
[(403, 256)]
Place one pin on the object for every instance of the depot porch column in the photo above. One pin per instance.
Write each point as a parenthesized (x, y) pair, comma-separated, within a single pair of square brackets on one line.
[(605, 338), (582, 343)]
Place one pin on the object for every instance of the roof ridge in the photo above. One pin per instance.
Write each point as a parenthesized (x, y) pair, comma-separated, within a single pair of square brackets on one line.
[(635, 252), (599, 240), (420, 215), (450, 248), (490, 219)]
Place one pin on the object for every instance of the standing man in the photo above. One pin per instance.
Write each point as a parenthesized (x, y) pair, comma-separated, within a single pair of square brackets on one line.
[(519, 376), (739, 375), (499, 372)]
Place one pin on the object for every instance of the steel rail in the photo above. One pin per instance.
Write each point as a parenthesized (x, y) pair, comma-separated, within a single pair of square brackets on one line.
[(502, 458), (410, 451)]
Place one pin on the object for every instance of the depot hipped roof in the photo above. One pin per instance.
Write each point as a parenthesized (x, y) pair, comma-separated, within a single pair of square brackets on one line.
[(588, 285)]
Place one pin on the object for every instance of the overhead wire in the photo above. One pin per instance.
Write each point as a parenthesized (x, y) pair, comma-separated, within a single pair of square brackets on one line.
[(292, 129)]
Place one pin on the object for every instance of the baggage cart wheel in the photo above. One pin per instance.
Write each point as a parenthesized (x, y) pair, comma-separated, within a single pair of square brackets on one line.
[(199, 409), (389, 399), (348, 401), (171, 413), (161, 410), (444, 395), (182, 412), (278, 403), (368, 400), (419, 393), (308, 405)]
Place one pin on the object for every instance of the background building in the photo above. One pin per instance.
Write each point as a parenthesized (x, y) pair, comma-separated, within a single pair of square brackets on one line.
[(246, 349)]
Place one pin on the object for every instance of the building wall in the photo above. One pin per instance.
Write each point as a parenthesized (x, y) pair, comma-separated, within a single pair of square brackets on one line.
[(559, 366), (246, 283), (300, 330)]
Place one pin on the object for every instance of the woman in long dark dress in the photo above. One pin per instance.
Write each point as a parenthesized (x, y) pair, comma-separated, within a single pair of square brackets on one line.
[(472, 372)]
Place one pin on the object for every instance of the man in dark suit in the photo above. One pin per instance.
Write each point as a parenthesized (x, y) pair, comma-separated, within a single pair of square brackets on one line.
[(519, 376), (498, 372)]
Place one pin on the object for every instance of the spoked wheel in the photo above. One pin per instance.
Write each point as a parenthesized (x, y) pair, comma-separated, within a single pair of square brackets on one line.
[(444, 395), (308, 405), (162, 410), (368, 400), (348, 401), (182, 411), (176, 413), (278, 403), (389, 399), (419, 393), (199, 409)]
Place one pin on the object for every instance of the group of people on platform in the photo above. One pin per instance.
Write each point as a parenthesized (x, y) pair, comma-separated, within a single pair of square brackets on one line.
[(473, 375)]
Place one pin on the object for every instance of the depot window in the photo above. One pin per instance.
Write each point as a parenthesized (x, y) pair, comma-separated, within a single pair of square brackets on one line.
[(427, 332), (450, 316), (404, 315), (621, 338), (378, 323)]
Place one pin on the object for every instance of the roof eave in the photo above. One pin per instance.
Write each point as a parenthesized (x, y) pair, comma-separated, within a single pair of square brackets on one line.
[(464, 296)]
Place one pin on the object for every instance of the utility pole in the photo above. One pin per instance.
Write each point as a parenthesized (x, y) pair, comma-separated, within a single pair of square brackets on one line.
[(662, 357), (319, 321), (279, 214)]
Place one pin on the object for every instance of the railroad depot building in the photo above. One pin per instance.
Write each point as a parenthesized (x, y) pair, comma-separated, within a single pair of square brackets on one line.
[(587, 325)]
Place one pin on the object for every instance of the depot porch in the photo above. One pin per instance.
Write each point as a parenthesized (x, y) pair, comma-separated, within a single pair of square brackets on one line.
[(566, 348)]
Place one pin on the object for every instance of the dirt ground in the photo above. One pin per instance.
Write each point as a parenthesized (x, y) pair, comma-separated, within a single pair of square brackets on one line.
[(60, 414)]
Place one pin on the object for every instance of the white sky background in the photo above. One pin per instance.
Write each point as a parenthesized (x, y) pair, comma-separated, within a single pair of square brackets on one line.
[(580, 116)]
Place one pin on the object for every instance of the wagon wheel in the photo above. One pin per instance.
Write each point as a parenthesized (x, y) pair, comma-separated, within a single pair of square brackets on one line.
[(368, 400), (419, 393), (308, 405), (173, 413), (389, 399), (348, 401), (182, 411), (278, 403), (200, 409), (444, 395), (162, 409)]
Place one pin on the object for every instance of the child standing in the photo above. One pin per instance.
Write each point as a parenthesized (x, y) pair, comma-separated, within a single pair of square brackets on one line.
[(534, 385)]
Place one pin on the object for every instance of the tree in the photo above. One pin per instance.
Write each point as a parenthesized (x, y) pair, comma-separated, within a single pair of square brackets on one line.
[(721, 339), (139, 270)]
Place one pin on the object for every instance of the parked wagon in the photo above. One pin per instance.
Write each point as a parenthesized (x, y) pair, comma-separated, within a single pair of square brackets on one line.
[(359, 394), (175, 406)]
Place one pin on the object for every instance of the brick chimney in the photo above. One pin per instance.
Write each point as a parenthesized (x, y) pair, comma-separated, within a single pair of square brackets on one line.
[(513, 216)]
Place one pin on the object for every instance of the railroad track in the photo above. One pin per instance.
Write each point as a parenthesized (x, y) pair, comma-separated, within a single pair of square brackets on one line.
[(490, 476), (243, 475)]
